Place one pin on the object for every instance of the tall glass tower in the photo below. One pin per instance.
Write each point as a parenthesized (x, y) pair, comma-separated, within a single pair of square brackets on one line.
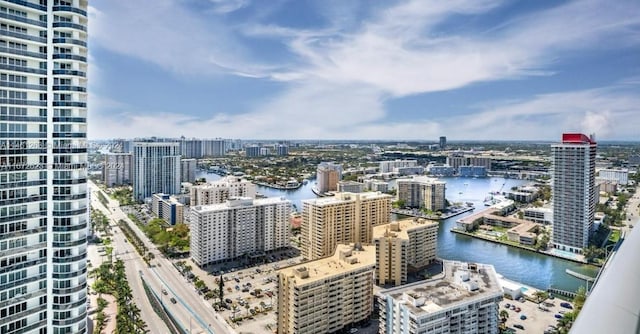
[(43, 158)]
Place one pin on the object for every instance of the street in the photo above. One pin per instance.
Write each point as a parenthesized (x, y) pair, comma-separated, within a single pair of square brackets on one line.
[(191, 310)]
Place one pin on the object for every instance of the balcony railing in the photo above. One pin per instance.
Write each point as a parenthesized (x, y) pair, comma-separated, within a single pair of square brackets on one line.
[(69, 25), (69, 9)]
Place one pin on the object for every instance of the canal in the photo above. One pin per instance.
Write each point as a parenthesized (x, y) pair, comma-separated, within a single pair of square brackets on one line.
[(539, 271)]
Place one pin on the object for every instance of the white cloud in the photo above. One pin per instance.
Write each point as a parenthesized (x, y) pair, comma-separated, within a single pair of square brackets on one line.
[(228, 6), (339, 78)]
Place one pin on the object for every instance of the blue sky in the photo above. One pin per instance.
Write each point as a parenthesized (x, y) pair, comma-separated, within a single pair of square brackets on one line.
[(347, 69)]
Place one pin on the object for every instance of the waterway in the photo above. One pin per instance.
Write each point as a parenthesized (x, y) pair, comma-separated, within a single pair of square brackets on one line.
[(539, 271)]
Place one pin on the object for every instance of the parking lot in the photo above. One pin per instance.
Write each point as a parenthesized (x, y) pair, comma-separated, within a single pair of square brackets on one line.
[(536, 320), (250, 292)]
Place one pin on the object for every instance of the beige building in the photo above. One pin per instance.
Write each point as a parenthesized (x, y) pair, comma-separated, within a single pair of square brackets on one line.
[(327, 295), (343, 218), (116, 169), (220, 191), (403, 246), (422, 192), (328, 175)]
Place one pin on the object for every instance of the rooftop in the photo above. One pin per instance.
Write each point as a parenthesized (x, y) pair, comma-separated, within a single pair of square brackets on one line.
[(346, 197), (461, 282), (345, 259), (422, 179), (400, 228), (238, 202)]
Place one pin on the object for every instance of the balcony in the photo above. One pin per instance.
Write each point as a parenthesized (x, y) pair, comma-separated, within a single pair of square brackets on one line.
[(28, 4), (24, 102), (22, 233), (70, 72), (77, 104), (29, 199), (69, 41), (70, 259), (71, 321), (69, 25), (62, 307), (70, 88), (61, 213), (67, 244), (70, 9), (69, 229), (70, 290), (69, 197), (22, 265), (69, 135), (22, 85), (4, 32), (23, 53), (23, 20), (68, 275), (69, 56)]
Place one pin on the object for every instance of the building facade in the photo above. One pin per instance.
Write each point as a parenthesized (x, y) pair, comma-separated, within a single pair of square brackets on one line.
[(222, 190), (214, 147), (328, 176), (327, 295), (188, 169), (350, 187), (282, 150), (239, 227), (463, 300), (389, 166), (156, 169), (422, 192), (167, 208), (344, 218), (404, 246), (116, 169), (573, 191), (43, 159), (621, 176)]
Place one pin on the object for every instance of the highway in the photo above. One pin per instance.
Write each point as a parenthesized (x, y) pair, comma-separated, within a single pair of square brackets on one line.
[(194, 313)]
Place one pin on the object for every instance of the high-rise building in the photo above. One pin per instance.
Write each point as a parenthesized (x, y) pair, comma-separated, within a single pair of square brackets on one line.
[(443, 142), (457, 160), (282, 150), (222, 190), (328, 175), (463, 300), (239, 227), (343, 218), (252, 151), (404, 246), (573, 194), (327, 295), (43, 209), (191, 148), (116, 169), (188, 170), (156, 169), (422, 192), (214, 147)]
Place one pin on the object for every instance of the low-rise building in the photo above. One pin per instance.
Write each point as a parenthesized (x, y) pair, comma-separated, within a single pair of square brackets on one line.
[(168, 208), (524, 194), (472, 171), (350, 187), (621, 176), (329, 294), (389, 166), (538, 215), (441, 170), (464, 299), (404, 246), (405, 171), (607, 186)]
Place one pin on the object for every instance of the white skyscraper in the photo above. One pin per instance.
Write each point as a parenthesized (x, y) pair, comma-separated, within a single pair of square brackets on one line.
[(156, 169), (573, 193), (43, 160)]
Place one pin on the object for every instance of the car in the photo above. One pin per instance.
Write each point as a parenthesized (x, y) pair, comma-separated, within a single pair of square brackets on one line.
[(523, 317), (518, 309), (566, 305), (353, 330), (164, 292), (507, 305), (558, 316), (518, 326), (173, 300), (228, 301), (237, 280)]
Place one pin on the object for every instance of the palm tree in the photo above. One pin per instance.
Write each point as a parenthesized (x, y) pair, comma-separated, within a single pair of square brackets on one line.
[(504, 315), (541, 296)]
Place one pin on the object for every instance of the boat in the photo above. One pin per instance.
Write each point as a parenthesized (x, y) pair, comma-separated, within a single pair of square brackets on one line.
[(460, 193)]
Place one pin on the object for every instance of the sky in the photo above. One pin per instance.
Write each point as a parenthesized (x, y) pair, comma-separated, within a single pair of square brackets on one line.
[(349, 69)]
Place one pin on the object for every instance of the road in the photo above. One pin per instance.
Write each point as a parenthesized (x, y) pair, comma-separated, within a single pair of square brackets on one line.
[(192, 311), (153, 321), (633, 212)]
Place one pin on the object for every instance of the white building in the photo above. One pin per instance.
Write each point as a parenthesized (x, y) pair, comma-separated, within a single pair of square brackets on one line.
[(167, 208), (573, 191), (350, 187), (116, 169), (188, 170), (619, 175), (389, 166), (43, 202), (220, 191), (156, 169), (214, 147), (538, 215), (239, 227), (462, 300)]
